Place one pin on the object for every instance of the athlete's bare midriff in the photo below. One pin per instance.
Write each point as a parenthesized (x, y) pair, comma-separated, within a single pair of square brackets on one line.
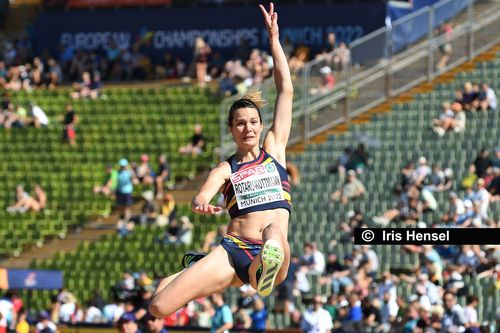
[(252, 224)]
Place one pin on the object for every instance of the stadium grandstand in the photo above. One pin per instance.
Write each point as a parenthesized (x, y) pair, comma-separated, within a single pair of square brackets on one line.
[(113, 113)]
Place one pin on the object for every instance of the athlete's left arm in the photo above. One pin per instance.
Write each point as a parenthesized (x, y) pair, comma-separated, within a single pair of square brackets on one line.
[(277, 138)]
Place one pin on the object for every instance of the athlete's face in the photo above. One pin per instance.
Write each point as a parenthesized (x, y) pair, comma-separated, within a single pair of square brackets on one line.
[(246, 127)]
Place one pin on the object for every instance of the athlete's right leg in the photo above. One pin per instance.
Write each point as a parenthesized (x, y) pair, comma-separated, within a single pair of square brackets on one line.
[(211, 274)]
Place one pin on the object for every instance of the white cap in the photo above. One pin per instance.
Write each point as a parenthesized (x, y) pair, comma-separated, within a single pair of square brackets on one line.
[(325, 70)]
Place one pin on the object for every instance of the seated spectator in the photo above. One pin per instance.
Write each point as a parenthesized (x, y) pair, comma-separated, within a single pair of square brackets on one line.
[(406, 175), (96, 86), (435, 179), (38, 116), (471, 217), (144, 172), (351, 190), (306, 260), (70, 119), (259, 316), (342, 162), (487, 98), (110, 182), (316, 319), (25, 202), (421, 172), (149, 210), (452, 118), (454, 318), (83, 88), (44, 324), (168, 210), (471, 177), (469, 98), (226, 85), (163, 175), (359, 159), (456, 210), (54, 74), (482, 162), (494, 187), (196, 144)]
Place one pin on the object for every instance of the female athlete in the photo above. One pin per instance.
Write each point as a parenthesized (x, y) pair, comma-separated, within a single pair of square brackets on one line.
[(255, 185)]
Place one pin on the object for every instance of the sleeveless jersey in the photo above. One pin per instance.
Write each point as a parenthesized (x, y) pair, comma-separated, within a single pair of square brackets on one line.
[(261, 184)]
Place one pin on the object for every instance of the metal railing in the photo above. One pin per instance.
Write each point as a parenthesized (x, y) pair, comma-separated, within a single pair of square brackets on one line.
[(381, 65)]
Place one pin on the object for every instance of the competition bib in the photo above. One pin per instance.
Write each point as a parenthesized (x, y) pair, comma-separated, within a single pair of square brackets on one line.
[(257, 185)]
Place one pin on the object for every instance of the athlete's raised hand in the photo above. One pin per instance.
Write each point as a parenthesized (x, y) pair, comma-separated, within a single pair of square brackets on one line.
[(204, 209), (271, 20)]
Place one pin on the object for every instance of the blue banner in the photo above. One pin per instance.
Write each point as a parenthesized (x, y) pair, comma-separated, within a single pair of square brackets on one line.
[(34, 279), (174, 30)]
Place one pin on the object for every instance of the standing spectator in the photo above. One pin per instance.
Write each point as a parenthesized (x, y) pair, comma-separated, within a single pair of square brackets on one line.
[(70, 119), (259, 316), (445, 30), (222, 321), (153, 324), (44, 324), (110, 182), (351, 190), (163, 175), (124, 189), (196, 144), (201, 54), (317, 319)]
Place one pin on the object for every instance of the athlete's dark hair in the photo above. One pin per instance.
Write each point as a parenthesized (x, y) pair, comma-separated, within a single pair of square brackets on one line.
[(251, 100)]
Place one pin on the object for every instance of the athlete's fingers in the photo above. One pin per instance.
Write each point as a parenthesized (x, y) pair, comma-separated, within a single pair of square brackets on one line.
[(217, 209)]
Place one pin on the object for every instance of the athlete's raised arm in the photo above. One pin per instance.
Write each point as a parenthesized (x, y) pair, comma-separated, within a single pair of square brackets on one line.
[(277, 137), (216, 178)]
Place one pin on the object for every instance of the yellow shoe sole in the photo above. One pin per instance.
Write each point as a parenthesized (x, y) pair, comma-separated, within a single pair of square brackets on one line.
[(272, 257)]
